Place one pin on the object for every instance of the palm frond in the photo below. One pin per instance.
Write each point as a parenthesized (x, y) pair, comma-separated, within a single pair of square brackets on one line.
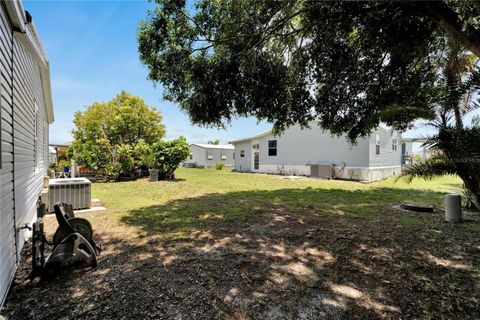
[(469, 87), (436, 166), (456, 143), (475, 121)]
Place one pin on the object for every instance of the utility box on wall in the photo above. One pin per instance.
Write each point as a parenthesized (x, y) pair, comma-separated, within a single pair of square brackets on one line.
[(322, 171)]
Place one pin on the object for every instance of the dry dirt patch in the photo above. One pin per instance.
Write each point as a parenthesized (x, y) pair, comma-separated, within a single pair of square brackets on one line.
[(274, 264)]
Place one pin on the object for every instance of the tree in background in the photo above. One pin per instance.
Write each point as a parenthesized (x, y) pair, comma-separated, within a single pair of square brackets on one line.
[(457, 145), (214, 142), (348, 65), (106, 135)]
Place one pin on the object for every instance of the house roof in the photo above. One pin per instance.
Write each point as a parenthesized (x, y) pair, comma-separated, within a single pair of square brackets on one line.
[(266, 133), (263, 134), (213, 146), (26, 33), (65, 144), (419, 140)]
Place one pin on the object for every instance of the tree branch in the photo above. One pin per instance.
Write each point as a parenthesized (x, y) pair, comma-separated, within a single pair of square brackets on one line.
[(460, 30)]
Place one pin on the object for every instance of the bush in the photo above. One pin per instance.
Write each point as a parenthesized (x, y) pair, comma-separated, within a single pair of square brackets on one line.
[(219, 165), (169, 155), (113, 171), (144, 153), (124, 156)]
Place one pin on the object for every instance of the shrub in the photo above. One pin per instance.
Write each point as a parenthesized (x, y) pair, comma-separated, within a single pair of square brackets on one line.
[(219, 165), (169, 155), (113, 171), (124, 156)]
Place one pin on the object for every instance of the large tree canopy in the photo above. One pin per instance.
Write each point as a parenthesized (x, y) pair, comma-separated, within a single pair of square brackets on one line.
[(351, 65), (126, 119), (115, 132)]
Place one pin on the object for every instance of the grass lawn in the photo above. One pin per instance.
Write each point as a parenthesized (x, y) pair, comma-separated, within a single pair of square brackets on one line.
[(223, 245)]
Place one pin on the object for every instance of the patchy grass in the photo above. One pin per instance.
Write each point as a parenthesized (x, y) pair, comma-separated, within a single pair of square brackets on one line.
[(218, 244)]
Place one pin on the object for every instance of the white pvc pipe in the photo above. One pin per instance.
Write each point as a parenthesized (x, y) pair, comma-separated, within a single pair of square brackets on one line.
[(72, 167), (453, 208)]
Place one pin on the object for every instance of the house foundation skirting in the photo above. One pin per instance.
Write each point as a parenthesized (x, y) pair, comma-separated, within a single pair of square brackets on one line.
[(341, 172)]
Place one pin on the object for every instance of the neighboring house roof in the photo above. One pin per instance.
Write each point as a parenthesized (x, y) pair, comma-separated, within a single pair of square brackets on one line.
[(65, 144), (420, 140), (213, 146), (258, 136), (266, 133), (26, 33), (52, 150)]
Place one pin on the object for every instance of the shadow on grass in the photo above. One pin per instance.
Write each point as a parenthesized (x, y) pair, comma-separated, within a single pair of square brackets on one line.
[(283, 254), (203, 213)]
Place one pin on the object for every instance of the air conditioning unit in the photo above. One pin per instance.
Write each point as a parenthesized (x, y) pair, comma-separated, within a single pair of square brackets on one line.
[(324, 171), (76, 191)]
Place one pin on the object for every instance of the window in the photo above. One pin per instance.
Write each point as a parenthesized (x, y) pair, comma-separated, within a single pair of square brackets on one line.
[(191, 156), (377, 145), (234, 156), (394, 144), (272, 147), (223, 157), (210, 157), (242, 153)]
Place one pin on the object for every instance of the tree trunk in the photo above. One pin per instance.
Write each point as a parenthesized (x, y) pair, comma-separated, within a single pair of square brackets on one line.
[(472, 185), (460, 30)]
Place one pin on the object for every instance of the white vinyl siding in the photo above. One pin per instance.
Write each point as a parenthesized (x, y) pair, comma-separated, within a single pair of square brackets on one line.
[(387, 156), (299, 147), (7, 216), (24, 137), (31, 162), (207, 157), (243, 161)]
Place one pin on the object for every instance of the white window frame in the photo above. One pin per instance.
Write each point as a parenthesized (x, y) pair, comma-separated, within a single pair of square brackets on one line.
[(272, 148), (377, 144), (394, 144)]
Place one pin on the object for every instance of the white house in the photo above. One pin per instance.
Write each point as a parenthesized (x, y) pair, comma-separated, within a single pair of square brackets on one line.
[(26, 111), (52, 155), (55, 148), (206, 155), (307, 151)]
